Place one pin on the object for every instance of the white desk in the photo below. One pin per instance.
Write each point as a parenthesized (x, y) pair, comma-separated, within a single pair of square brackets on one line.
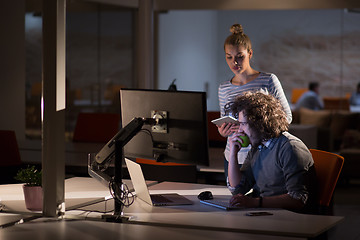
[(80, 191), (9, 219), (199, 216), (281, 223), (354, 108), (95, 230)]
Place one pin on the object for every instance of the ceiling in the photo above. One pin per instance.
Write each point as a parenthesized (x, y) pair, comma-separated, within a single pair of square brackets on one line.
[(163, 5)]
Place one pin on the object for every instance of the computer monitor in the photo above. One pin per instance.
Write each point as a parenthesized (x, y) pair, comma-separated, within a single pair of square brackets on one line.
[(168, 126), (180, 136)]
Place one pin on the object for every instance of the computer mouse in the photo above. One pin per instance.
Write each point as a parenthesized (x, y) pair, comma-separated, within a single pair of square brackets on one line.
[(206, 195)]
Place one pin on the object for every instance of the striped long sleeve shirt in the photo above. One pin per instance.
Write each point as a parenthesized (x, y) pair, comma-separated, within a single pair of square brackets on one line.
[(266, 83)]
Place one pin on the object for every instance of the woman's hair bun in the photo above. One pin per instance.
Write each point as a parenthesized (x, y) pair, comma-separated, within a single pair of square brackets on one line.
[(237, 29)]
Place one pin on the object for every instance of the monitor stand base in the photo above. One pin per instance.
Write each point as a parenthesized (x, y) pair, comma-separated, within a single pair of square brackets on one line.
[(116, 218)]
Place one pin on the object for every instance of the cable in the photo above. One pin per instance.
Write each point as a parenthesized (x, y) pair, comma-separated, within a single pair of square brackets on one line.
[(2, 207), (121, 193), (147, 131)]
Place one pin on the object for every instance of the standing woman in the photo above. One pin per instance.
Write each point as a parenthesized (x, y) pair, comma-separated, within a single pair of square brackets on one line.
[(238, 52)]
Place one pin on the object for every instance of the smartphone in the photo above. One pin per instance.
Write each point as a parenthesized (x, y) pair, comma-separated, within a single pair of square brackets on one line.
[(225, 119), (258, 214)]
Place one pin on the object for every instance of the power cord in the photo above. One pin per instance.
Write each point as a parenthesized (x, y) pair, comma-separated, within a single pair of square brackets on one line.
[(121, 193)]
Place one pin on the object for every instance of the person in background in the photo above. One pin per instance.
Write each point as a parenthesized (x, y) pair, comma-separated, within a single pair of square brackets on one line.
[(279, 168), (310, 99), (238, 53), (355, 96)]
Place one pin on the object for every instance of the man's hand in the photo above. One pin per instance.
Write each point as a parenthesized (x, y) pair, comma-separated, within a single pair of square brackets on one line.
[(240, 200)]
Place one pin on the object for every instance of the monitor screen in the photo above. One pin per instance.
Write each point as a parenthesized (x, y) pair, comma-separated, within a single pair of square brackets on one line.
[(180, 134)]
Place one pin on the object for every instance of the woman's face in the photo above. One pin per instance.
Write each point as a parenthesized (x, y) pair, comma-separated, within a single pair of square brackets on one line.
[(237, 58)]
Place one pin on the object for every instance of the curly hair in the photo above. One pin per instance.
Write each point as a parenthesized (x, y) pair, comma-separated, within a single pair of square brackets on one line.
[(264, 113), (238, 38)]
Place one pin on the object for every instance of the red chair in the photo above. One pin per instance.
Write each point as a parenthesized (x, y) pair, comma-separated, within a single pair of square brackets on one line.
[(96, 127), (10, 154), (328, 168), (215, 139), (10, 159)]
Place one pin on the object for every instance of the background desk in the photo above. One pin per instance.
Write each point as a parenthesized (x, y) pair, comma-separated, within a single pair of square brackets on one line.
[(76, 159), (76, 155)]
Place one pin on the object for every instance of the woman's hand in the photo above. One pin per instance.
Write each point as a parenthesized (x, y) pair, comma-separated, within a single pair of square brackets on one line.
[(227, 129)]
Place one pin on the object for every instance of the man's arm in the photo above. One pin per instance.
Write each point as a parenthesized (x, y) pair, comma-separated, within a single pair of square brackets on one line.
[(234, 174), (280, 201)]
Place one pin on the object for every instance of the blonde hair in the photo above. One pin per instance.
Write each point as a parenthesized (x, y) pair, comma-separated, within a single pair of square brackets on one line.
[(238, 38)]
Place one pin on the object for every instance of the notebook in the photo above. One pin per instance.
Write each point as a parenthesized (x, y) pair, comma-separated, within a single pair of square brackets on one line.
[(142, 191)]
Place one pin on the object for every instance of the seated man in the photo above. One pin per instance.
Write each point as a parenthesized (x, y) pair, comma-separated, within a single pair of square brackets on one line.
[(311, 99), (278, 168), (355, 96)]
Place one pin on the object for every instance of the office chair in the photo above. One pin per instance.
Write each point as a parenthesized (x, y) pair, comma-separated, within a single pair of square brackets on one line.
[(215, 139), (10, 160), (96, 127), (296, 94), (336, 103), (328, 167)]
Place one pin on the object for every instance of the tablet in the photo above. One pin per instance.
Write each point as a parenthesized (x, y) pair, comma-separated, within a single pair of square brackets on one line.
[(225, 119)]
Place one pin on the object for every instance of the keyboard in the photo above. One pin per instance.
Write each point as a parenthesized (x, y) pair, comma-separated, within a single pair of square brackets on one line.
[(221, 203)]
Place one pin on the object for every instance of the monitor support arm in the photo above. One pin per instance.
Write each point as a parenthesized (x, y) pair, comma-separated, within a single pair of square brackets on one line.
[(115, 147), (129, 131)]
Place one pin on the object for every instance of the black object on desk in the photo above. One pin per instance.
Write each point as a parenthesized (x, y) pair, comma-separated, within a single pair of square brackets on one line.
[(206, 195)]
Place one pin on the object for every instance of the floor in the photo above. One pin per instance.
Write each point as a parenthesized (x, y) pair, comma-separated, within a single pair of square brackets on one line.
[(347, 203)]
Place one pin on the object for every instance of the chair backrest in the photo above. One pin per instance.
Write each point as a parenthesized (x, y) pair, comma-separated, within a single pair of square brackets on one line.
[(215, 139), (336, 103), (10, 154), (296, 94), (328, 167), (96, 127)]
